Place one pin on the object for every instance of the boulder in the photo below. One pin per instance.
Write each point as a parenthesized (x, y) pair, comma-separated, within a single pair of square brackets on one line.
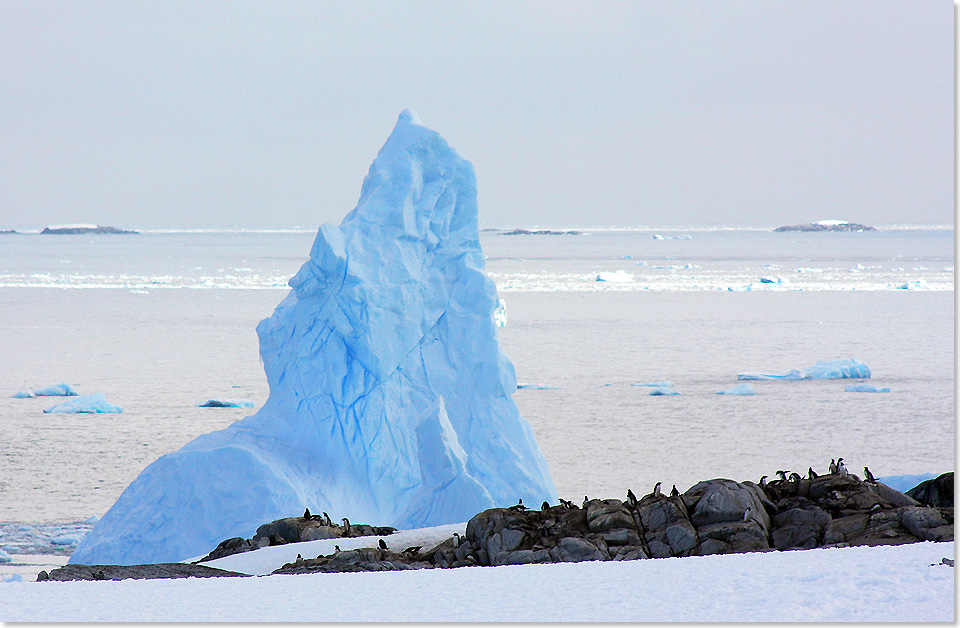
[(935, 492)]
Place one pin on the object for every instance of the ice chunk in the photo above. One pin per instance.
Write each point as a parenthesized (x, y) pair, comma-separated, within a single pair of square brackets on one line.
[(617, 276), (867, 388), (5, 557), (538, 386), (500, 314), (739, 389), (390, 399), (826, 369), (66, 539), (663, 390), (780, 281), (87, 404), (656, 384), (916, 284), (57, 390), (16, 577), (226, 403)]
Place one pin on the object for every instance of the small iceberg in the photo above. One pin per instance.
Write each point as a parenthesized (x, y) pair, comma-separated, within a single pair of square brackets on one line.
[(739, 389), (780, 281), (5, 557), (867, 388), (226, 403), (617, 276), (86, 404), (57, 390), (682, 236), (500, 314), (656, 384), (66, 539), (537, 387), (663, 391), (825, 369), (916, 284)]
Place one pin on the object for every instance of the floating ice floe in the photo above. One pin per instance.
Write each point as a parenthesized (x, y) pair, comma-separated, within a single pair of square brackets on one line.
[(226, 403), (617, 276), (391, 402), (864, 388), (739, 389), (916, 284), (825, 369), (57, 390), (86, 404), (809, 270), (537, 387), (746, 288), (66, 539), (663, 391), (683, 236), (780, 281), (5, 557), (656, 384)]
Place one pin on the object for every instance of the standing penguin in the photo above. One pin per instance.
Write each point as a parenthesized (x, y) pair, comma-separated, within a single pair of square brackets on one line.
[(869, 476), (833, 465)]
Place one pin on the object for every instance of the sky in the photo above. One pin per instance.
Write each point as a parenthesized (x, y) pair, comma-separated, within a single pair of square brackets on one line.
[(251, 114)]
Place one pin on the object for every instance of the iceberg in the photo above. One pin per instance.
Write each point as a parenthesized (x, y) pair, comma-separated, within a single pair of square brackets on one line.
[(390, 399), (537, 387), (867, 388), (57, 390), (663, 391), (826, 369), (617, 276), (86, 404), (226, 403), (656, 384), (739, 389)]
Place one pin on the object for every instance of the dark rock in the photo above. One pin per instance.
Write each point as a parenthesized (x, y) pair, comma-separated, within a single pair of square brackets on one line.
[(816, 226), (733, 537), (99, 229), (935, 492), (726, 501), (137, 572), (927, 524)]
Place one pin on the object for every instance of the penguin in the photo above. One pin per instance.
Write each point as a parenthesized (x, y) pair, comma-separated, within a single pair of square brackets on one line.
[(656, 490), (306, 514), (868, 475), (336, 549), (833, 465), (747, 514), (544, 506), (412, 550), (457, 539), (842, 470), (795, 477), (763, 480), (383, 544), (585, 500), (674, 492), (631, 497), (782, 474), (327, 517), (346, 524), (566, 504), (299, 558), (812, 474)]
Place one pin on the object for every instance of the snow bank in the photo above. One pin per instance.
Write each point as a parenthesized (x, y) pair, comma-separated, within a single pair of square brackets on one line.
[(903, 583), (390, 399), (86, 404), (827, 369)]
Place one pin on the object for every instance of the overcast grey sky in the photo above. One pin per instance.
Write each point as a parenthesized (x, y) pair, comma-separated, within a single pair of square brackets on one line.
[(764, 112)]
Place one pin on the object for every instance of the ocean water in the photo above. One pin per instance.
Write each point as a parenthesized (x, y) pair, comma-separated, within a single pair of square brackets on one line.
[(162, 321)]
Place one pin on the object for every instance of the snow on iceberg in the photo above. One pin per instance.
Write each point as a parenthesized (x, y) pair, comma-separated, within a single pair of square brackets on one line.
[(57, 390), (390, 399), (617, 276), (86, 404), (739, 389), (226, 403), (825, 369), (867, 388)]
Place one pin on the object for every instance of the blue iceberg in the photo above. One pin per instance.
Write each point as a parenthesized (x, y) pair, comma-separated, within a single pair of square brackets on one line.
[(57, 390), (226, 403), (828, 369), (867, 388), (86, 404), (663, 391), (904, 483), (739, 389), (390, 399), (656, 384)]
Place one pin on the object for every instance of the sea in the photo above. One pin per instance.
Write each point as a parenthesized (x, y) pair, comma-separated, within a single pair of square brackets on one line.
[(164, 320)]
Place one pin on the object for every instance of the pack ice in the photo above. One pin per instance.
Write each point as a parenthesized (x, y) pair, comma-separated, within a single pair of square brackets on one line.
[(390, 399), (825, 369)]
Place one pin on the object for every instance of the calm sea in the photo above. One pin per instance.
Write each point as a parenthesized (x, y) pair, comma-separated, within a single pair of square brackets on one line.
[(162, 321)]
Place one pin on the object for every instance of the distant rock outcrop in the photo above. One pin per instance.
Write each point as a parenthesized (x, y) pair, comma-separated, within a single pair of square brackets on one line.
[(83, 230), (827, 225), (937, 492)]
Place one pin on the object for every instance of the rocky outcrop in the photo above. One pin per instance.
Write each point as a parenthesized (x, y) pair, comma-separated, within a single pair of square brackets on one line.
[(937, 492), (295, 530), (136, 572), (827, 225), (84, 229)]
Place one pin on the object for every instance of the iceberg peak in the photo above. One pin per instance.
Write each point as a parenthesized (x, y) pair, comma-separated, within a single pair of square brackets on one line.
[(409, 116)]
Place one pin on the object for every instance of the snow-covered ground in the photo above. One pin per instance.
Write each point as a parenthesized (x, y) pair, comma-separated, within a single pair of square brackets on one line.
[(901, 583)]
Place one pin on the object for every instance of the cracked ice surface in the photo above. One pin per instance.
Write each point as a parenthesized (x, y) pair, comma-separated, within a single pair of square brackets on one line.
[(390, 399)]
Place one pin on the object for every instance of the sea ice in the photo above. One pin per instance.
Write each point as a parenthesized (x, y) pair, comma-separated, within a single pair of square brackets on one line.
[(739, 389), (86, 404), (867, 388), (825, 369), (656, 384), (390, 399), (226, 403), (617, 276), (537, 387), (916, 284), (663, 391)]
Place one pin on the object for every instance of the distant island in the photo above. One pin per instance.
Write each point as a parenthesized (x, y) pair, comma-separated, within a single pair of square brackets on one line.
[(828, 225), (82, 230), (537, 232)]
